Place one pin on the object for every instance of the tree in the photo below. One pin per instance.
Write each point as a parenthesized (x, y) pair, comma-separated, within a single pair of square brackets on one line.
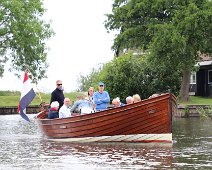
[(173, 32), (131, 74), (23, 35), (92, 79)]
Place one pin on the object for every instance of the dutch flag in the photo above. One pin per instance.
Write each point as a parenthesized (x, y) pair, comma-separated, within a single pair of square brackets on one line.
[(27, 95)]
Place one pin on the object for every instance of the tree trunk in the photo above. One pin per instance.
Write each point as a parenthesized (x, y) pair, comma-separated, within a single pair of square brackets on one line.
[(184, 89)]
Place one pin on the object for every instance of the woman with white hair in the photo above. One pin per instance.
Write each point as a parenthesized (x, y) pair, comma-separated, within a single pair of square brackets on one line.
[(129, 100), (116, 102), (53, 111), (136, 98)]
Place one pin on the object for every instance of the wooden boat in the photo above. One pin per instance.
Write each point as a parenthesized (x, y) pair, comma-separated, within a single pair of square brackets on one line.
[(147, 121)]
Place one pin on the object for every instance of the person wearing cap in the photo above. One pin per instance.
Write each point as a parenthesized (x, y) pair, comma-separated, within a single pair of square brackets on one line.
[(57, 94), (101, 98)]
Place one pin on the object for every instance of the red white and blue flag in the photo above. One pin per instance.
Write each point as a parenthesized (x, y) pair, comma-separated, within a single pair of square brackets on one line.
[(27, 95)]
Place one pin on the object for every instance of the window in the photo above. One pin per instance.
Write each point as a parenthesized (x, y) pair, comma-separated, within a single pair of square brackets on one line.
[(193, 78), (209, 76)]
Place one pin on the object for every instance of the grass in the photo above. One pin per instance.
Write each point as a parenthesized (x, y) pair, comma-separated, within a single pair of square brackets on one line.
[(10, 98), (196, 100)]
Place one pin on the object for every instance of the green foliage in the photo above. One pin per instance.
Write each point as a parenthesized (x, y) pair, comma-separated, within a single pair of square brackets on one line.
[(173, 32), (9, 93), (130, 74), (23, 35), (187, 112), (92, 79), (205, 113), (123, 76)]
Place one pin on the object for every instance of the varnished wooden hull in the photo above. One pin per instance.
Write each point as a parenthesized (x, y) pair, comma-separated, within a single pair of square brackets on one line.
[(147, 121)]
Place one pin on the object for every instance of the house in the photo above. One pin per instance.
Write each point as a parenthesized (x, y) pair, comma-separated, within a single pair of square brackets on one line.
[(201, 81)]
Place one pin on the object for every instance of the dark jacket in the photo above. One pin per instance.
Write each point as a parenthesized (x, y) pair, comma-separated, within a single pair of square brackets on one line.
[(57, 95), (52, 114)]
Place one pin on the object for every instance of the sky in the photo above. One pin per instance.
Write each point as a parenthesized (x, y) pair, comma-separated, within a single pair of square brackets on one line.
[(81, 43)]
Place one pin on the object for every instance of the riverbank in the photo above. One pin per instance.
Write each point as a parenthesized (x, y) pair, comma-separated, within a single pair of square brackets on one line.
[(11, 110), (182, 110)]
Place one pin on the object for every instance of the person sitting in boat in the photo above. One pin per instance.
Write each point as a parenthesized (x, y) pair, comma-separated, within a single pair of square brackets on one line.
[(90, 97), (136, 98), (116, 102), (53, 111), (101, 98), (129, 100), (82, 106), (154, 95), (65, 109)]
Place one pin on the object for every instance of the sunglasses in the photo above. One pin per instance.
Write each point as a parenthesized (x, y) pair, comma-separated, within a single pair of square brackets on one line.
[(59, 84), (101, 85)]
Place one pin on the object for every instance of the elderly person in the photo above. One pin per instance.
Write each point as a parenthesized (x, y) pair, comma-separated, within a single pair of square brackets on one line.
[(116, 102), (57, 94), (82, 106), (65, 110), (129, 100), (154, 95), (136, 98), (53, 111), (101, 98), (90, 96)]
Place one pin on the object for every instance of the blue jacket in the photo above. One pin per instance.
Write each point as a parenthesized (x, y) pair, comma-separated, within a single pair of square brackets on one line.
[(52, 114), (80, 104), (101, 100)]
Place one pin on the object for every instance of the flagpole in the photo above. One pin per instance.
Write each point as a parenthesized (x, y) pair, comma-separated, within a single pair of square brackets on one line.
[(38, 91)]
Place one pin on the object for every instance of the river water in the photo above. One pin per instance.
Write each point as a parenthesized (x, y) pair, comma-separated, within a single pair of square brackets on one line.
[(22, 146)]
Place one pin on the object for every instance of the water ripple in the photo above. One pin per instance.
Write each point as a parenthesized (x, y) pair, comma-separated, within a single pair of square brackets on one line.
[(24, 147)]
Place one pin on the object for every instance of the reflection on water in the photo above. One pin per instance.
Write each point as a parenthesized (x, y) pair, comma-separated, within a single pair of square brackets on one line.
[(24, 147), (193, 143)]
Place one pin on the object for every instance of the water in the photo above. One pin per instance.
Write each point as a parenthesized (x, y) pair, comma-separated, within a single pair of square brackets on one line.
[(24, 147)]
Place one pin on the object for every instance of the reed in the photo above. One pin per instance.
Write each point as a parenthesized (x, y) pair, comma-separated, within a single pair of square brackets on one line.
[(205, 113)]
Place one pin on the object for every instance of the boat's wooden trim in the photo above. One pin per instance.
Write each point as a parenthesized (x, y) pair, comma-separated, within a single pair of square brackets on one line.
[(122, 138), (122, 123)]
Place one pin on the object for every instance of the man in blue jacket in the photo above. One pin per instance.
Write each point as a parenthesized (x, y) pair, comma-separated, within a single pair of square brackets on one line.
[(101, 98)]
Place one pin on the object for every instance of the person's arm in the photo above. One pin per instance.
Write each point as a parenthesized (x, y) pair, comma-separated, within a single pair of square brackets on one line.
[(74, 107), (97, 100), (107, 98), (61, 113)]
